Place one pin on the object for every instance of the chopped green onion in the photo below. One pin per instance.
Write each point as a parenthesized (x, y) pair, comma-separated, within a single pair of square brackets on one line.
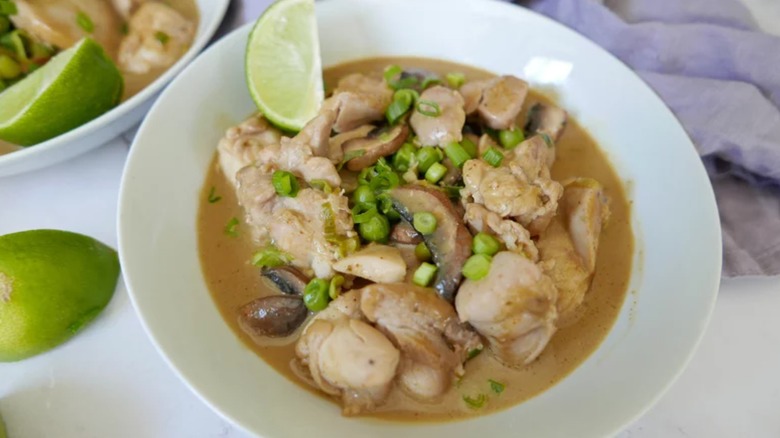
[(271, 258), (455, 79), (321, 185), (162, 37), (8, 8), (384, 181), (424, 274), (362, 213), (391, 72), (428, 81), (456, 153), (403, 100), (363, 195), (424, 222), (375, 229), (14, 40), (470, 147), (428, 108), (493, 156), (334, 289), (40, 51), (84, 22), (213, 198), (315, 294), (402, 160), (328, 217), (475, 403), (473, 353), (124, 29), (484, 243), (426, 156), (547, 139), (510, 138), (497, 387), (435, 173), (5, 24), (385, 205), (422, 252), (9, 69), (231, 229), (285, 183), (477, 266), (351, 155), (348, 246), (453, 192)]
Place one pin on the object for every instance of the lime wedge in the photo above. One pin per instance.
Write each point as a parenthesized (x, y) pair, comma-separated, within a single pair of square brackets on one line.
[(52, 284), (283, 66), (73, 88)]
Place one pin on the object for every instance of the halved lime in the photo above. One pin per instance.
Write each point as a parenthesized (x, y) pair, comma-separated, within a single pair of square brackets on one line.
[(283, 66), (76, 86), (52, 284)]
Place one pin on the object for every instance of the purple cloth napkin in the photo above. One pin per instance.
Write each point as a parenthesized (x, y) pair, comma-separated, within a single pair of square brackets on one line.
[(721, 76)]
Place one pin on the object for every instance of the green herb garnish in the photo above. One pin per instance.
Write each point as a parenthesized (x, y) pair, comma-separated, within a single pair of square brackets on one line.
[(84, 22), (497, 387), (231, 229), (475, 403), (213, 198), (162, 37), (271, 257)]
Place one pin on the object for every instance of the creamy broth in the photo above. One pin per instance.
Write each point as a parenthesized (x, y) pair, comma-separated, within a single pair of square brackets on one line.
[(233, 281)]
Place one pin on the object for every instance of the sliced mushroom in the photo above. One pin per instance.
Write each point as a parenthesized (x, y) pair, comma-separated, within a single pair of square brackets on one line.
[(453, 175), (450, 244), (273, 316), (379, 143), (287, 279), (404, 232), (546, 119), (336, 145)]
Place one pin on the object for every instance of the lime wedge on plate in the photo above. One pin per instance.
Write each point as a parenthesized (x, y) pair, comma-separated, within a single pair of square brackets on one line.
[(283, 67), (52, 284), (76, 86)]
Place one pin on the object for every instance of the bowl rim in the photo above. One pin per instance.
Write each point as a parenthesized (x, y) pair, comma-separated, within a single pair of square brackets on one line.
[(711, 284), (124, 108)]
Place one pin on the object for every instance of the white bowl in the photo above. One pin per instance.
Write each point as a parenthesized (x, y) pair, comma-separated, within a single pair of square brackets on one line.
[(98, 131), (676, 265)]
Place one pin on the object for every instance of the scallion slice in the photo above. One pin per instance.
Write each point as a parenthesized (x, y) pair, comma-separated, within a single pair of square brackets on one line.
[(428, 108), (424, 274), (285, 183), (424, 222), (493, 156), (477, 266)]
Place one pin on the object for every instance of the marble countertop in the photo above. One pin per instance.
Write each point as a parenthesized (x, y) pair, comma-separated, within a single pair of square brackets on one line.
[(110, 382)]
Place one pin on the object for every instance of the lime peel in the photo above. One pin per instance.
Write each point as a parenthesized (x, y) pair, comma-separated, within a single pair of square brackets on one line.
[(283, 65), (76, 86)]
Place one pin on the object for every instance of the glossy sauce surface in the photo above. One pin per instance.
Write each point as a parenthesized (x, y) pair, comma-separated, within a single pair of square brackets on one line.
[(233, 281)]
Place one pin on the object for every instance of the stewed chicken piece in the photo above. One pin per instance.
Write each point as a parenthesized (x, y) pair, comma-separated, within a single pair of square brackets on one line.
[(440, 117), (157, 36), (513, 307), (433, 343), (242, 144), (348, 358), (569, 245), (358, 99)]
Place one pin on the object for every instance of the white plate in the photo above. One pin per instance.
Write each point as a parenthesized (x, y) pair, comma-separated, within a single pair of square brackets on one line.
[(98, 131), (676, 264)]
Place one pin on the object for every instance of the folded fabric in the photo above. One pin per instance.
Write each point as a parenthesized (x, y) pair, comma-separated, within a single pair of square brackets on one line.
[(721, 76)]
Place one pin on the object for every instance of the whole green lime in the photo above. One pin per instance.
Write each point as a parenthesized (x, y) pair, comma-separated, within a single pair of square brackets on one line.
[(52, 284), (76, 86)]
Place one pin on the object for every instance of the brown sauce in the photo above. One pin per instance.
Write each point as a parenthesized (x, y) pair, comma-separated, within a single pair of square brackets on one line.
[(233, 281)]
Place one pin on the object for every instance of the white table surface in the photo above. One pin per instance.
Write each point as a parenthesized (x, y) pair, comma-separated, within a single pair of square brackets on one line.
[(110, 382)]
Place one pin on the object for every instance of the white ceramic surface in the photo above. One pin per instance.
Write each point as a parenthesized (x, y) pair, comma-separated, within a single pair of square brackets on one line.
[(98, 131), (677, 264)]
